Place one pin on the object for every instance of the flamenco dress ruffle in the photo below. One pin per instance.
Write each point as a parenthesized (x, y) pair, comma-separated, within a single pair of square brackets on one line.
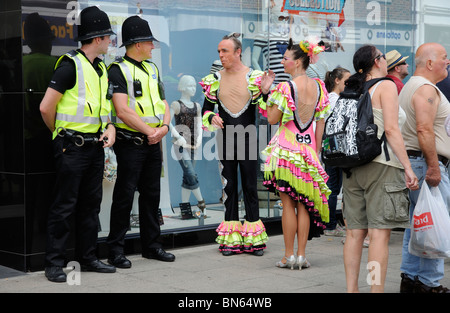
[(210, 85), (237, 237), (293, 167)]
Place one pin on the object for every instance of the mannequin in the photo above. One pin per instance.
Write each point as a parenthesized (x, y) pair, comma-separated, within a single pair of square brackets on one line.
[(187, 138)]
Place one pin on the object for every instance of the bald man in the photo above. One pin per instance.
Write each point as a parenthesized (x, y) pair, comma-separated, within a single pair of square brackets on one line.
[(427, 145)]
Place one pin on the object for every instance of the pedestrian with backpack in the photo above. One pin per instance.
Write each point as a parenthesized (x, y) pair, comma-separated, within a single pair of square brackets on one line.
[(376, 193), (335, 84)]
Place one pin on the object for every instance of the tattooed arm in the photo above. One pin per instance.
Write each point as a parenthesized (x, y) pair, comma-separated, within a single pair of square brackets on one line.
[(425, 103)]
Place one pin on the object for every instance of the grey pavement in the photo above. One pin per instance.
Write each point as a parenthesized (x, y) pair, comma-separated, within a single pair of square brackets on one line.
[(202, 269)]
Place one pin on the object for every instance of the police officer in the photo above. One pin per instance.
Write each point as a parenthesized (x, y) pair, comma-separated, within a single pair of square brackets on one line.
[(75, 109), (142, 117)]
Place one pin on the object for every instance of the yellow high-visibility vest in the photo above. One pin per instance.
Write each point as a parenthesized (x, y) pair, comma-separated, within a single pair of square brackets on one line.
[(84, 108), (149, 105)]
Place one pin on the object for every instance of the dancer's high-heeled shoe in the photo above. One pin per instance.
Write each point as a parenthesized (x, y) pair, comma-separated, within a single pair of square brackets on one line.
[(290, 262), (302, 262)]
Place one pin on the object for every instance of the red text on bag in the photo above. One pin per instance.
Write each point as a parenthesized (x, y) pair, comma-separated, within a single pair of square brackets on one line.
[(422, 221)]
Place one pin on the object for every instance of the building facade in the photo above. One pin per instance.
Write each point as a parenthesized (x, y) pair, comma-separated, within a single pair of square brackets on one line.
[(33, 34)]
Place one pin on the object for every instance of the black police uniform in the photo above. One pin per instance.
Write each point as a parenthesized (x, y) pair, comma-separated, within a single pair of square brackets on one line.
[(79, 170), (138, 168)]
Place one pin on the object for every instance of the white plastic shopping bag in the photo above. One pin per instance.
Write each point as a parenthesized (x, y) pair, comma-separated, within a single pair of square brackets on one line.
[(430, 225)]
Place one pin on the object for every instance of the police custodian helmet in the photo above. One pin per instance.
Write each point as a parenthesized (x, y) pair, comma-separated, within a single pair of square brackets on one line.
[(93, 23), (136, 29)]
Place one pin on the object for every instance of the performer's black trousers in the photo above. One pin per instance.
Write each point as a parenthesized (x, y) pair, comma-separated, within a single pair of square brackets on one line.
[(239, 150), (248, 171)]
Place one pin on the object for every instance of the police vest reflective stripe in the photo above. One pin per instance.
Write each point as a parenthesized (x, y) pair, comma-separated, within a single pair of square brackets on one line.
[(84, 108), (149, 106)]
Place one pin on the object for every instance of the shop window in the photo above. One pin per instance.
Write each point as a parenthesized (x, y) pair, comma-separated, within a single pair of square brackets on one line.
[(189, 32)]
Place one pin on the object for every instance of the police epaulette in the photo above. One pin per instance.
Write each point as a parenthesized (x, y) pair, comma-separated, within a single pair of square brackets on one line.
[(153, 65), (72, 53), (150, 62), (118, 59)]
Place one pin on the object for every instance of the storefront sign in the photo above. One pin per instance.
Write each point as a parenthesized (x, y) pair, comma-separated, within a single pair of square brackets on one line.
[(315, 6), (387, 36)]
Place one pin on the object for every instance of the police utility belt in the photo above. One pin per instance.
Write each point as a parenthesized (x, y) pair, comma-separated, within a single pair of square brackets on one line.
[(78, 138), (419, 154), (135, 137)]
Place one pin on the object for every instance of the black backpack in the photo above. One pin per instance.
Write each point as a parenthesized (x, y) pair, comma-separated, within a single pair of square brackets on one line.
[(350, 135)]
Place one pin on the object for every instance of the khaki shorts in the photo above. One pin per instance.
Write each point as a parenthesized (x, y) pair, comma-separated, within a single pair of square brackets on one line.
[(376, 197)]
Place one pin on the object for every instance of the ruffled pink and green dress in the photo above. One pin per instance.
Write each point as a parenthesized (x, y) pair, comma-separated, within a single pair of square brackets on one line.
[(233, 235), (292, 164), (241, 237)]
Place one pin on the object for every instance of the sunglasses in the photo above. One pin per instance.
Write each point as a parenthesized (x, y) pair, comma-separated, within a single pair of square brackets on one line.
[(283, 18), (380, 56), (232, 35)]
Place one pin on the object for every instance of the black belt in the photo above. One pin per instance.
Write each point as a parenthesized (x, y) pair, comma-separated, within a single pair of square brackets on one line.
[(137, 138), (419, 154), (78, 138)]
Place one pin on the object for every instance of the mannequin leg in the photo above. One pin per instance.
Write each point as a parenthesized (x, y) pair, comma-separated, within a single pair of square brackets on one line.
[(198, 194), (201, 202), (185, 194)]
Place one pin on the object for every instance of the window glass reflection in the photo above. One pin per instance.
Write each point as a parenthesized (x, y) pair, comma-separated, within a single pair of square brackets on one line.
[(189, 33)]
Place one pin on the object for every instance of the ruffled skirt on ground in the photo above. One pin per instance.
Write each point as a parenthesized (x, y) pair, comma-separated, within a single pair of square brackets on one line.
[(237, 237), (299, 174)]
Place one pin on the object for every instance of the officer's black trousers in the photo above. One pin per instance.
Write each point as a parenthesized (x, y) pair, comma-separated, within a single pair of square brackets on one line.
[(138, 168), (78, 195)]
